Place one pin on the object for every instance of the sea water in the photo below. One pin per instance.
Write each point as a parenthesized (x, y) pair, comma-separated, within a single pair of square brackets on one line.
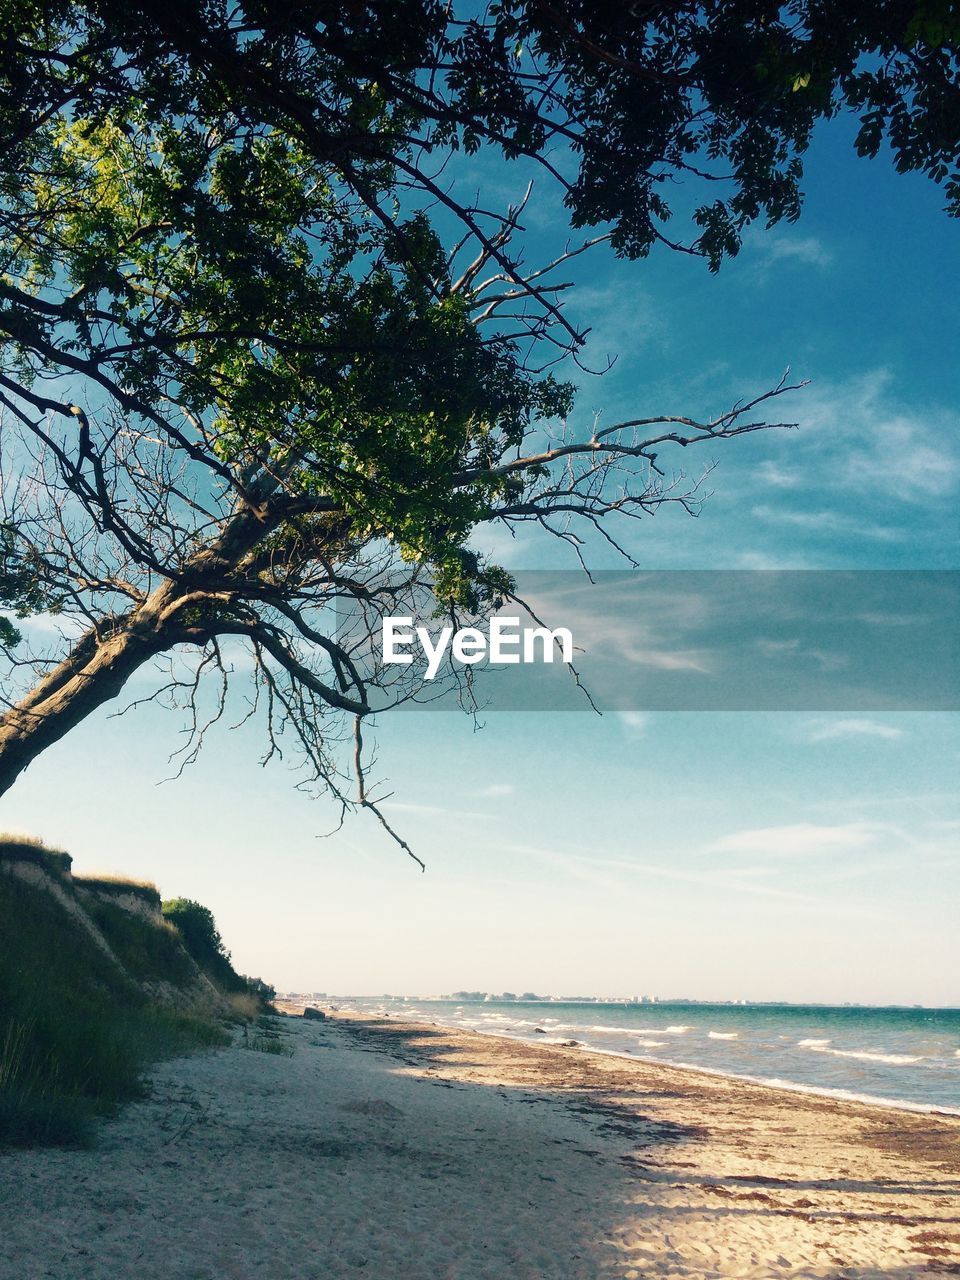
[(904, 1056)]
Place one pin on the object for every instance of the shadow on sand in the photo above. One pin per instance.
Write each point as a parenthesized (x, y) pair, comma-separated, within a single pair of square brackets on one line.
[(651, 1175)]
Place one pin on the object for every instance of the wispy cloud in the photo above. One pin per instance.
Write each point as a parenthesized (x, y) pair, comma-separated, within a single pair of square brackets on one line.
[(634, 723), (430, 810), (495, 791), (796, 650), (636, 621), (784, 247), (827, 522), (775, 476), (831, 730), (772, 560), (796, 839), (608, 874), (878, 445)]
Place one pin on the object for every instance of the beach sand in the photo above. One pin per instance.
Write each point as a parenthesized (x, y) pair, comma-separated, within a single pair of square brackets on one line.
[(410, 1152)]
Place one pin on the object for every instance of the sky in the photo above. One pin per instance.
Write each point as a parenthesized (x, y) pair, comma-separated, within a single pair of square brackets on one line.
[(725, 855)]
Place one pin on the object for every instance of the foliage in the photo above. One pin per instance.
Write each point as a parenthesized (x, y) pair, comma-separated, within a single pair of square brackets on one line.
[(258, 353), (264, 991), (21, 583), (201, 937)]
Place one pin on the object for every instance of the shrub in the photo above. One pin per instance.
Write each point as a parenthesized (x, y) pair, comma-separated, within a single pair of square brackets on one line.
[(265, 1042), (243, 1006), (201, 937)]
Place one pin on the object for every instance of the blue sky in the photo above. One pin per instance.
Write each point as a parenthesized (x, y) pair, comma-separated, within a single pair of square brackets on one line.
[(773, 855)]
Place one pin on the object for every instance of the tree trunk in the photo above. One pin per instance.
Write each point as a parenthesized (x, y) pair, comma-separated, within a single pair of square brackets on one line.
[(94, 673), (99, 665)]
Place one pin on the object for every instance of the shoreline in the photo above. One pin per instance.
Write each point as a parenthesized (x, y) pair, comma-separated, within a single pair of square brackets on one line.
[(791, 1089), (777, 1085), (411, 1151)]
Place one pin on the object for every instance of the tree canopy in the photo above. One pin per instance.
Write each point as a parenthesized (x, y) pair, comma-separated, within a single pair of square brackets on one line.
[(202, 939), (257, 348)]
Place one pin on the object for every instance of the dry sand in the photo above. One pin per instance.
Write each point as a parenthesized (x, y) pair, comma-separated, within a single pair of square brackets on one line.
[(407, 1152)]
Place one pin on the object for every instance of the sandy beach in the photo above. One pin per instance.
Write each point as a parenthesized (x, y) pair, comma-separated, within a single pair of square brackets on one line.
[(409, 1152)]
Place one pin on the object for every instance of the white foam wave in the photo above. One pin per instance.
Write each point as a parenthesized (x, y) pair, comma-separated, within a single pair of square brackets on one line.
[(723, 1035), (628, 1031), (865, 1055), (676, 1031), (652, 1044), (812, 1044), (925, 1108), (792, 1086)]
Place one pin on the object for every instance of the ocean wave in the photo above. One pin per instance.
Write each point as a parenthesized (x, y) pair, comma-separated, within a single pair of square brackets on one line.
[(867, 1055), (651, 1044), (793, 1086), (723, 1035), (677, 1031), (873, 1100), (506, 1020), (629, 1031), (812, 1044)]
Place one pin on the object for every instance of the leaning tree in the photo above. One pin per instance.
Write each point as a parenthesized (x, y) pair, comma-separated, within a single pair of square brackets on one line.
[(261, 351)]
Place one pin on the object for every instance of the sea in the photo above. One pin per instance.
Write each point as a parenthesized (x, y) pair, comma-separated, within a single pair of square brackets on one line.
[(907, 1057)]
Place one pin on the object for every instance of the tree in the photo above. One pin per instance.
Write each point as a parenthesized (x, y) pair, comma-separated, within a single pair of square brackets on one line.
[(260, 355), (201, 937)]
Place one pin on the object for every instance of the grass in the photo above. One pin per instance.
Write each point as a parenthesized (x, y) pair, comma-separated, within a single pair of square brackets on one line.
[(243, 1006), (267, 1042), (147, 951), (144, 889), (76, 1033), (18, 848)]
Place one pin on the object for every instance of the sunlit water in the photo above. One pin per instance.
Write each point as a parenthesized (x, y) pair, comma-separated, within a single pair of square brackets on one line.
[(909, 1056)]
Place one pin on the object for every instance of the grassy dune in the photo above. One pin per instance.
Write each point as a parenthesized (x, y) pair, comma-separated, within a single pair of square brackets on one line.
[(80, 1022)]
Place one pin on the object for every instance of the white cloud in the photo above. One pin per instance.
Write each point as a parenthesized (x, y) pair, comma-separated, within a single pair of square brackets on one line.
[(778, 649), (827, 522), (879, 447), (645, 629), (777, 477), (634, 722), (415, 809), (830, 731), (795, 839), (792, 248), (776, 560)]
